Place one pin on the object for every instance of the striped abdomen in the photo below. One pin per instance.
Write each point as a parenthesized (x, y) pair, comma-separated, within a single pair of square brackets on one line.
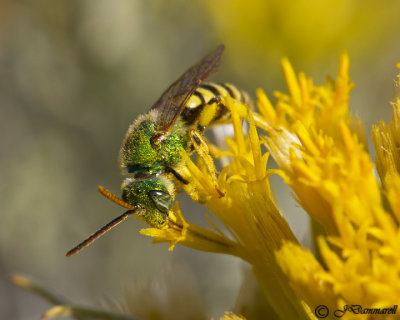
[(209, 93)]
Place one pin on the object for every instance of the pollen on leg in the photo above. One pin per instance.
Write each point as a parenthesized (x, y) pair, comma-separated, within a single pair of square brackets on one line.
[(201, 147)]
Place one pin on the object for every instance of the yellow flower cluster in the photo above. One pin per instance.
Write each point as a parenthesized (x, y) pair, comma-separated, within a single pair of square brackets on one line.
[(333, 178), (321, 151)]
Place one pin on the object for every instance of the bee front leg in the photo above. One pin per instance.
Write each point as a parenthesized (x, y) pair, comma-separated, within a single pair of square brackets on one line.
[(201, 147)]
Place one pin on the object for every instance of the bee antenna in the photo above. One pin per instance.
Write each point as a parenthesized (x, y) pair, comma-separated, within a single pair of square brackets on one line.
[(115, 199), (108, 226), (85, 243)]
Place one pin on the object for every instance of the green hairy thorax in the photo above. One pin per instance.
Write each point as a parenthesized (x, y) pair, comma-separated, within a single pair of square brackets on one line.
[(139, 154)]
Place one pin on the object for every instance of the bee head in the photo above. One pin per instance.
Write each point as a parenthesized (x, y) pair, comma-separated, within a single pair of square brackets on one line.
[(151, 196)]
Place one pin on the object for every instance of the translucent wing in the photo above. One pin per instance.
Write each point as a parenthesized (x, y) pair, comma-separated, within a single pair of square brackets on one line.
[(173, 100)]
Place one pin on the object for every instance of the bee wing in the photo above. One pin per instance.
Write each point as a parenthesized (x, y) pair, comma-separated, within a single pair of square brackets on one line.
[(173, 100)]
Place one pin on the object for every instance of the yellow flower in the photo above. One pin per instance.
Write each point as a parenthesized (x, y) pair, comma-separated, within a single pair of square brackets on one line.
[(333, 178), (322, 155)]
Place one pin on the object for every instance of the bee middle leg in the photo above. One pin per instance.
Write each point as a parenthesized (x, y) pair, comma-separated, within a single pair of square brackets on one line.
[(176, 175)]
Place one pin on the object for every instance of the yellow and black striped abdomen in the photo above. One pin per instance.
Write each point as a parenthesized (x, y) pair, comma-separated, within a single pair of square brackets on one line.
[(207, 94)]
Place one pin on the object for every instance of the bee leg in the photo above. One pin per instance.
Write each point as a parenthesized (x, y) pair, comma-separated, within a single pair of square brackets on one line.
[(203, 151), (177, 175), (209, 113)]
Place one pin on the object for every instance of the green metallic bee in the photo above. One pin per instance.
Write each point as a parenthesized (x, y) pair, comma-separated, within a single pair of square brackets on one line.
[(151, 153)]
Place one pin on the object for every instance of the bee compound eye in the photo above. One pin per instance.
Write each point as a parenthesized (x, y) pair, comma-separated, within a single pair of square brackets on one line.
[(162, 200)]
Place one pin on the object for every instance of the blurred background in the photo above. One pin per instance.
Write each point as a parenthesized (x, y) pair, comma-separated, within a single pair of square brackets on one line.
[(75, 74)]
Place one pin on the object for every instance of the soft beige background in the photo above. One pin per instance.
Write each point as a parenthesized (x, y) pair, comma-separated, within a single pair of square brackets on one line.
[(74, 74)]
